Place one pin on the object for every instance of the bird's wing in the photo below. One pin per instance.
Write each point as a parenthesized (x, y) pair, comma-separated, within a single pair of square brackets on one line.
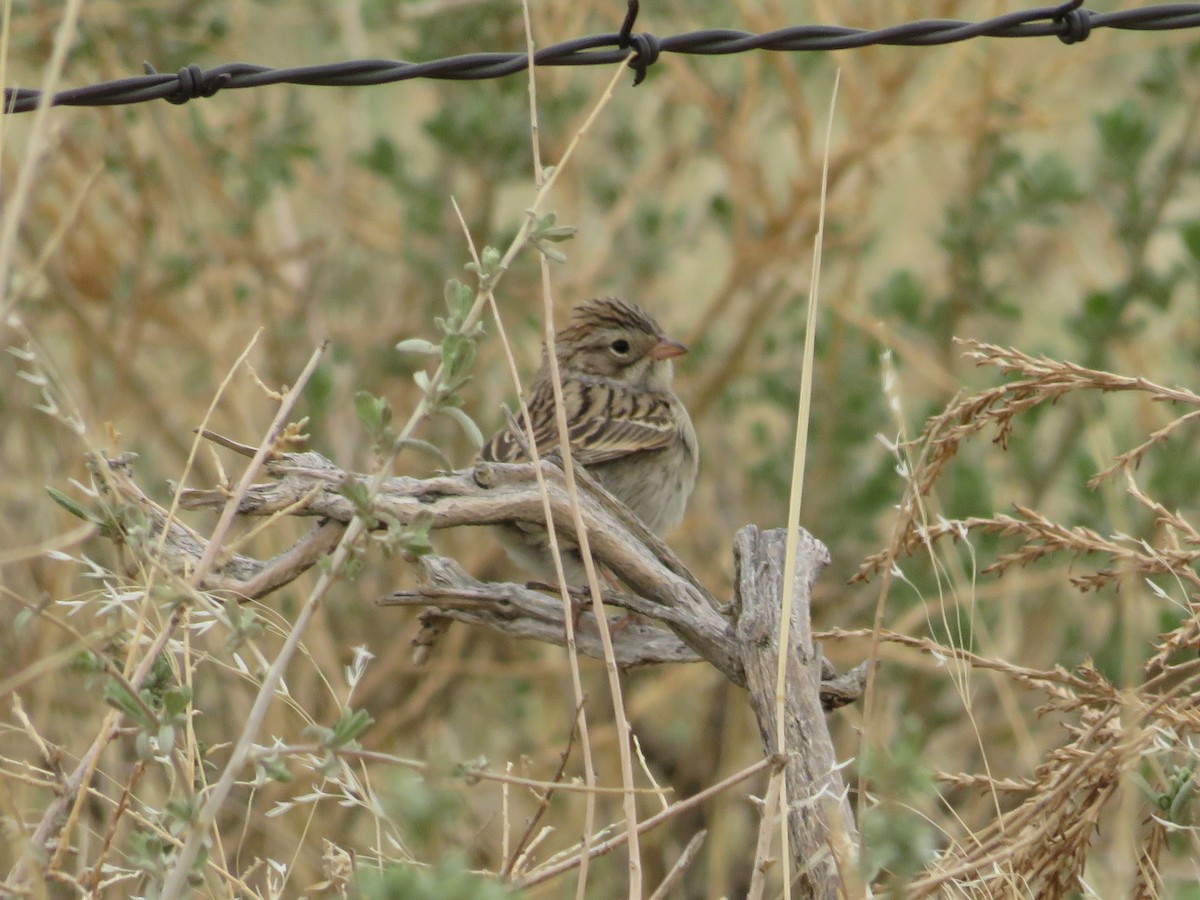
[(624, 423), (606, 422), (510, 442)]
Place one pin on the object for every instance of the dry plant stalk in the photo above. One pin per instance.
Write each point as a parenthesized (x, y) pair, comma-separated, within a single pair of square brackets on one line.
[(564, 444), (1040, 846)]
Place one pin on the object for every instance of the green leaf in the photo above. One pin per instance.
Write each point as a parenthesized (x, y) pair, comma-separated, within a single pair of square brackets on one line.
[(356, 492), (1126, 136), (487, 267), (902, 296), (546, 229), (318, 733), (176, 700), (1162, 80), (549, 252), (467, 423), (414, 540), (118, 696), (275, 770), (1046, 181), (235, 614), (71, 506), (1181, 801), (350, 726), (179, 814), (375, 413), (353, 566), (459, 298), (244, 625), (558, 233), (383, 158), (418, 345), (166, 738), (458, 352), (429, 449)]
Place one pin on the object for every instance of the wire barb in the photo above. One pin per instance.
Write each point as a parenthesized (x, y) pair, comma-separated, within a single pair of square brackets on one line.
[(192, 82), (1069, 21), (646, 47), (631, 14), (1075, 22)]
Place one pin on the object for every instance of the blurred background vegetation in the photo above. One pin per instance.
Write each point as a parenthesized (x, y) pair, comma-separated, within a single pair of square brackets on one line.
[(1016, 192)]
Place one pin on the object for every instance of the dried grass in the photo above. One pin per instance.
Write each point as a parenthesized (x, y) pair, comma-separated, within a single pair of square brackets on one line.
[(156, 241)]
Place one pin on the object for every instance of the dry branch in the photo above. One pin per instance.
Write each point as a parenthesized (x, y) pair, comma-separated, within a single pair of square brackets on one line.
[(687, 624), (811, 773), (520, 612), (309, 485)]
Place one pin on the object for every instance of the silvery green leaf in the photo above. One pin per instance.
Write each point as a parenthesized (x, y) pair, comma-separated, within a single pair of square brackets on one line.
[(467, 423), (350, 725), (71, 506), (549, 252), (557, 233), (419, 345), (373, 412), (166, 738), (426, 447), (458, 352), (458, 298)]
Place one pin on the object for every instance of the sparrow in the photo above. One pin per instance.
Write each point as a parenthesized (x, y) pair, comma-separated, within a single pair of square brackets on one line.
[(625, 424)]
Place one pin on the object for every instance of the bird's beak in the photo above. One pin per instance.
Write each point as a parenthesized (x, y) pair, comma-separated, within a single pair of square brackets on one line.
[(667, 349)]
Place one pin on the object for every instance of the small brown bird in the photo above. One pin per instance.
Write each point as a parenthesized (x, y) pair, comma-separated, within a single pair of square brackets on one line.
[(626, 426)]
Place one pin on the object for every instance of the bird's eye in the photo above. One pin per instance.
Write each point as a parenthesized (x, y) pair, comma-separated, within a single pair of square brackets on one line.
[(620, 346)]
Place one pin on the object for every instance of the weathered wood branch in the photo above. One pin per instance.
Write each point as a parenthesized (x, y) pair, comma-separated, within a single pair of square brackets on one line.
[(814, 786), (309, 485), (685, 622), (521, 612), (450, 593)]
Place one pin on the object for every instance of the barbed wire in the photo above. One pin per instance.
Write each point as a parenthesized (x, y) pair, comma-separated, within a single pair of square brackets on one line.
[(1070, 22)]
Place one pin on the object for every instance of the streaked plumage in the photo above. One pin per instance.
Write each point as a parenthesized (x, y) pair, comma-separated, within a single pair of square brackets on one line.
[(625, 424)]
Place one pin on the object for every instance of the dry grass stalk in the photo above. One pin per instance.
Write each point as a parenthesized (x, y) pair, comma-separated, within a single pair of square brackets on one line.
[(1042, 381), (331, 250), (1041, 846)]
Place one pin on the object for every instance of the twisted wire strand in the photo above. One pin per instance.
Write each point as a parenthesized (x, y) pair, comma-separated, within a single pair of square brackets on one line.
[(1069, 22)]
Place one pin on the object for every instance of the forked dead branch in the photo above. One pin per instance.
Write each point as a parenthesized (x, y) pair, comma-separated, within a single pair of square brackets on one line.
[(682, 621)]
